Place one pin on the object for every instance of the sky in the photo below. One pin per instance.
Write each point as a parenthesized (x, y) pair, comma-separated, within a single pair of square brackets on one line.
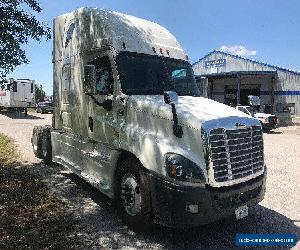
[(266, 31)]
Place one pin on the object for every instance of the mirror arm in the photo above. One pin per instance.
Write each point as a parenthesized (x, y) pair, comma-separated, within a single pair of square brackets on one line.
[(95, 100), (177, 129), (102, 104)]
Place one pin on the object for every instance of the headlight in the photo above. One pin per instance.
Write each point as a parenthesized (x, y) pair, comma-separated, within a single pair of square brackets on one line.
[(182, 169)]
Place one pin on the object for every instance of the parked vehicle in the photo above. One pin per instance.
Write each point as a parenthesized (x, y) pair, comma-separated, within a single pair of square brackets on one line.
[(267, 121), (129, 119), (44, 107), (17, 95)]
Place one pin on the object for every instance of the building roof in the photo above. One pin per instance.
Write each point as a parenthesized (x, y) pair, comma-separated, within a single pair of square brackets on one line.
[(249, 60), (237, 73)]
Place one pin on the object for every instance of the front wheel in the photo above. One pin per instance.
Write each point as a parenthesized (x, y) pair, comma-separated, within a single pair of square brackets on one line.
[(133, 196)]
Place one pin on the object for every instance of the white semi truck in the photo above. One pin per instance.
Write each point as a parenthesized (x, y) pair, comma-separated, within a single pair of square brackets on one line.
[(17, 94), (129, 120), (267, 121)]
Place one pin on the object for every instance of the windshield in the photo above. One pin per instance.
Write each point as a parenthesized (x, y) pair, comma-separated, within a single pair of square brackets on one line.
[(142, 74), (248, 110)]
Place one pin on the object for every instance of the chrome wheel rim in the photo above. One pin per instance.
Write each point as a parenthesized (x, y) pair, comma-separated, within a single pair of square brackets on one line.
[(34, 142), (44, 152), (131, 195), (44, 149)]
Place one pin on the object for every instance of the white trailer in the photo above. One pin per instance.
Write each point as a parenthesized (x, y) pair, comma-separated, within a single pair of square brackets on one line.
[(17, 94)]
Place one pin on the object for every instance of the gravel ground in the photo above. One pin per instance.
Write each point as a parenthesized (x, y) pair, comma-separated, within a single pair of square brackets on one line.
[(19, 127), (100, 227)]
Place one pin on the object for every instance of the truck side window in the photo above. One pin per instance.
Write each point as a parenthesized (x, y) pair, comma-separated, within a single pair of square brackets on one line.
[(66, 82), (104, 77), (69, 34), (15, 87)]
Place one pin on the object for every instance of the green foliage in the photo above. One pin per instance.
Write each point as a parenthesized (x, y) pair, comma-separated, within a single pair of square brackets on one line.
[(7, 150), (39, 93), (16, 28)]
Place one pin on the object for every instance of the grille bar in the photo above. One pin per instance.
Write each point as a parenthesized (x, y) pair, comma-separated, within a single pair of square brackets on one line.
[(236, 153)]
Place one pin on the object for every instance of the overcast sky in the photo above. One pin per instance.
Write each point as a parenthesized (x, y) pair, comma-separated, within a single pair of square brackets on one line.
[(265, 30)]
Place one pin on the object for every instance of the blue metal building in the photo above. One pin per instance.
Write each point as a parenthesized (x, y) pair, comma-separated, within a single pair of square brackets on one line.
[(230, 79)]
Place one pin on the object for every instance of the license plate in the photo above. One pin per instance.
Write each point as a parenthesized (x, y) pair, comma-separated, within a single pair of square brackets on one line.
[(241, 212)]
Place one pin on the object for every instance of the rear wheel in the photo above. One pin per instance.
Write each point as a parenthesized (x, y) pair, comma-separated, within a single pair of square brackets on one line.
[(46, 145), (36, 141), (133, 196)]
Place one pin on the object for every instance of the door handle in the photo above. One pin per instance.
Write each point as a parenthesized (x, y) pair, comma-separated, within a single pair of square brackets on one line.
[(91, 124)]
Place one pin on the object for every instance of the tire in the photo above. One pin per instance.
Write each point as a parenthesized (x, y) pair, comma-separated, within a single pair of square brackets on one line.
[(262, 127), (133, 196), (46, 145), (36, 141), (265, 128)]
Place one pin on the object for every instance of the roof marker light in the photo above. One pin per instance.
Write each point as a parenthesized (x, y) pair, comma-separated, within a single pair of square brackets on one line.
[(153, 49), (124, 45), (161, 51), (168, 52)]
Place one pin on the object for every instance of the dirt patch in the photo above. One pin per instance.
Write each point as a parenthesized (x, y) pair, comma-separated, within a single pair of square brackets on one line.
[(291, 130)]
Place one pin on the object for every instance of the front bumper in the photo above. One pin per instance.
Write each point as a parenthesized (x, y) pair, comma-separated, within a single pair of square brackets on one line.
[(272, 124), (170, 201), (269, 126)]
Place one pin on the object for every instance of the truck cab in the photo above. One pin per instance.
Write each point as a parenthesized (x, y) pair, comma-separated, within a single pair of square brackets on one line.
[(129, 119)]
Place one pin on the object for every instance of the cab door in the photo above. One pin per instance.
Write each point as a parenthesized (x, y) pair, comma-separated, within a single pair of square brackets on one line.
[(98, 153), (101, 125)]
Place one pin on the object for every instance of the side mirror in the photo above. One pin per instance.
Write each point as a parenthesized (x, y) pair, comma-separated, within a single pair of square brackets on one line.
[(170, 97), (254, 100), (89, 83)]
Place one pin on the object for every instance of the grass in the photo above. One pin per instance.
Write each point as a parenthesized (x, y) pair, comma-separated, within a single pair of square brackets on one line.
[(32, 110), (30, 215), (7, 150)]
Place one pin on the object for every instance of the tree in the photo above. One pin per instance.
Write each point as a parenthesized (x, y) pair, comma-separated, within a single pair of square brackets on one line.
[(39, 93), (16, 28)]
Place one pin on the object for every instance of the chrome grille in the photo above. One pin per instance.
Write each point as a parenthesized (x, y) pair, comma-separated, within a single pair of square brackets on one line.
[(236, 153)]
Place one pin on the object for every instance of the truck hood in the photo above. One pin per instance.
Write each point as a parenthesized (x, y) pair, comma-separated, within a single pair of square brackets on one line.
[(191, 111)]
